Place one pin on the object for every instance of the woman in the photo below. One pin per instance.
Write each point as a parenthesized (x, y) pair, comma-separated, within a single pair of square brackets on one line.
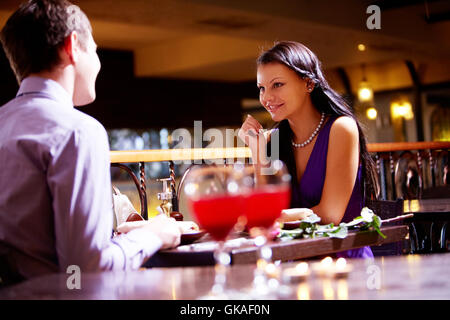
[(320, 139)]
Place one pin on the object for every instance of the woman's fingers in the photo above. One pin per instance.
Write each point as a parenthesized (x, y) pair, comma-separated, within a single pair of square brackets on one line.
[(250, 129), (294, 214), (254, 123)]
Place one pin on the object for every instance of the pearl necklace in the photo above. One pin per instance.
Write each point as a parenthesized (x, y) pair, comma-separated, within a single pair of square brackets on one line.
[(308, 141)]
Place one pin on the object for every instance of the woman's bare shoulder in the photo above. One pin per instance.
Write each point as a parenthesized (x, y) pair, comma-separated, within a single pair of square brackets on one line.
[(344, 131), (344, 126)]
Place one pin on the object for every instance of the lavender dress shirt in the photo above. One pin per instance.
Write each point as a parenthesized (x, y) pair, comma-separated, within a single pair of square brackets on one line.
[(55, 187)]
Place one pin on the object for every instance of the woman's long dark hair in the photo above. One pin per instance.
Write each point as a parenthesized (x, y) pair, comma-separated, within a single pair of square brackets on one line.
[(304, 62)]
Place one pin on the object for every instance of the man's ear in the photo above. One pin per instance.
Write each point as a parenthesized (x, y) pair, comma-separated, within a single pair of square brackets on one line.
[(71, 47)]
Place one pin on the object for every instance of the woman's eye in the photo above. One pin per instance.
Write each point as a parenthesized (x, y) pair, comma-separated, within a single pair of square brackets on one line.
[(261, 89), (277, 84)]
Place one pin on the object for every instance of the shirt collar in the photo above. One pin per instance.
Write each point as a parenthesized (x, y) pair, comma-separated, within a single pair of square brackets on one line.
[(45, 86)]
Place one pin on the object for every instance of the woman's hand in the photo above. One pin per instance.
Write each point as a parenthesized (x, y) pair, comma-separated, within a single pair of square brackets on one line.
[(249, 132), (256, 138), (294, 214)]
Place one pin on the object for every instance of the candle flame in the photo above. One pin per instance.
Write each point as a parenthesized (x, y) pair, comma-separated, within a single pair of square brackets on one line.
[(341, 263), (302, 268), (326, 262)]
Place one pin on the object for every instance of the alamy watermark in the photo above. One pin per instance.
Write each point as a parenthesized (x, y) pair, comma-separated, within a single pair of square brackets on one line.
[(374, 279), (374, 20), (215, 138), (74, 280)]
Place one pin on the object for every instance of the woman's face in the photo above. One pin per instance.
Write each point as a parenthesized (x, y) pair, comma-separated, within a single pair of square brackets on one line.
[(281, 91)]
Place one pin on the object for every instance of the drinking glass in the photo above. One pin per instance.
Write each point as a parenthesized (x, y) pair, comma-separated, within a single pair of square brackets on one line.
[(214, 196), (266, 193)]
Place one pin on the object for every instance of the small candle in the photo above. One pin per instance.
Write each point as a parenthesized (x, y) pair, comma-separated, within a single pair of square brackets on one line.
[(325, 267), (297, 274), (342, 269), (302, 268), (341, 263), (326, 263), (328, 268)]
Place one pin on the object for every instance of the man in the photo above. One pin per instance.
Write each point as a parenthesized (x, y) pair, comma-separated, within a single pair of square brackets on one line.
[(55, 208)]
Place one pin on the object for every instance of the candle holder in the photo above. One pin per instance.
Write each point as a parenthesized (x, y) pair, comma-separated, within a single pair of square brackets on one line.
[(328, 268), (342, 268), (296, 274)]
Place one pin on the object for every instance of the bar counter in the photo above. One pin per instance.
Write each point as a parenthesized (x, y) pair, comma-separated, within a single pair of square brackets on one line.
[(396, 277)]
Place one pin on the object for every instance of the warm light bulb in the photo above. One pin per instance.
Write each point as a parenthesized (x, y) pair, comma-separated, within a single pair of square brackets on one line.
[(371, 113), (402, 109), (365, 94), (361, 47), (409, 113)]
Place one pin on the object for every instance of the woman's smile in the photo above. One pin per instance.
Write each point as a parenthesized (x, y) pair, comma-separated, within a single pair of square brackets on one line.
[(273, 108)]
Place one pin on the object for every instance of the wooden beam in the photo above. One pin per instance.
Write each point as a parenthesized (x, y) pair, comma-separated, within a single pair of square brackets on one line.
[(178, 154), (417, 104), (130, 156)]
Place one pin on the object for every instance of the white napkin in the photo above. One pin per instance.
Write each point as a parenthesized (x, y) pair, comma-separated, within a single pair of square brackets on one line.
[(186, 226), (122, 207)]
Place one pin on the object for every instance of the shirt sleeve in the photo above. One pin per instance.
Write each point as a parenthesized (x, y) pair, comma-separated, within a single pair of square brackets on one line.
[(80, 184)]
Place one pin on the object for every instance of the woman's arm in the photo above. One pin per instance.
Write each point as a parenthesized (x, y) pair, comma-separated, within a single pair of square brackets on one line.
[(342, 168)]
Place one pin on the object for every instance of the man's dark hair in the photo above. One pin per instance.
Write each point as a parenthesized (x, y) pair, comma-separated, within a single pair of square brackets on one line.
[(34, 34)]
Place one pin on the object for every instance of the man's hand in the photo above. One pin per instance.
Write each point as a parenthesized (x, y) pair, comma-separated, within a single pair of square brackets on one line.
[(167, 229)]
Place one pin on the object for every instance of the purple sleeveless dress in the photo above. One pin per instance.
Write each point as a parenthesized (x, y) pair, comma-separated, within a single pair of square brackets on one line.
[(308, 192)]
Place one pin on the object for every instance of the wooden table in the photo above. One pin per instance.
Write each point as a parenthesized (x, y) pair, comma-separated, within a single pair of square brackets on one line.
[(197, 254), (428, 228), (427, 205), (399, 277)]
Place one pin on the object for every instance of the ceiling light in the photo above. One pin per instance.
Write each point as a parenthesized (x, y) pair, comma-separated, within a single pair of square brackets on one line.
[(402, 109), (365, 92), (371, 113)]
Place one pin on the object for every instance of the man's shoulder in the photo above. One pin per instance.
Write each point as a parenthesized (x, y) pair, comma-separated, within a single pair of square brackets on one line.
[(85, 121), (50, 120), (70, 118)]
